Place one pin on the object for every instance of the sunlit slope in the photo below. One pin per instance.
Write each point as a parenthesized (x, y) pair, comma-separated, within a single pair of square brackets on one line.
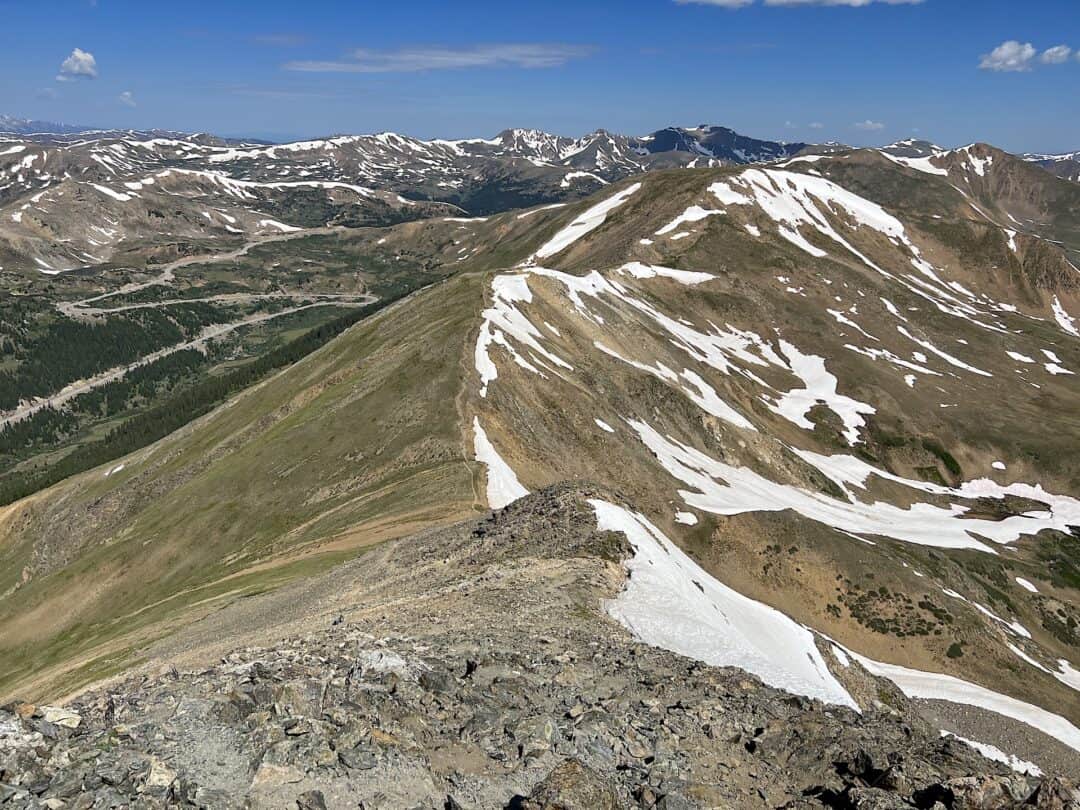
[(359, 442), (858, 406), (845, 385)]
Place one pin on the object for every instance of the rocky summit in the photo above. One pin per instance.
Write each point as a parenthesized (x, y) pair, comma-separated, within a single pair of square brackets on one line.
[(477, 667)]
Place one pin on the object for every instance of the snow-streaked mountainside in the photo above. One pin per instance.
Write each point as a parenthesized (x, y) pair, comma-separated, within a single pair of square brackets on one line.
[(202, 188), (26, 126), (719, 143), (832, 395), (812, 351), (148, 187), (1066, 165)]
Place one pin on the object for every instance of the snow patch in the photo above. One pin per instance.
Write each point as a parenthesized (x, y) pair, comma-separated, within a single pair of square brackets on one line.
[(695, 213), (820, 386), (997, 755), (722, 489), (503, 486), (688, 277), (1065, 321), (591, 219), (934, 686), (273, 223), (671, 602), (1026, 585)]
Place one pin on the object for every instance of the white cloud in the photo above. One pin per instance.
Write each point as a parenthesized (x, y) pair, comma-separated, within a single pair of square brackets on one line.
[(411, 60), (80, 65), (850, 3), (816, 125), (869, 126), (1057, 55), (1009, 57), (127, 99)]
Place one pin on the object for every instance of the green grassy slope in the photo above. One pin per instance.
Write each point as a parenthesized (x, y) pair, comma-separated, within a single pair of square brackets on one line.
[(359, 442)]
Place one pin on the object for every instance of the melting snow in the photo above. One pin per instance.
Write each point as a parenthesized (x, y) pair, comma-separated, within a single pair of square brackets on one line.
[(997, 755), (840, 317), (1068, 675), (977, 163), (532, 211), (695, 213), (948, 358), (1065, 672), (723, 489), (503, 486), (1014, 627), (671, 602), (571, 176), (600, 423), (273, 223), (1020, 358), (794, 200), (1065, 321), (933, 686), (727, 195), (116, 195), (1026, 585), (591, 219), (504, 318), (922, 164), (820, 385), (1054, 366), (689, 277)]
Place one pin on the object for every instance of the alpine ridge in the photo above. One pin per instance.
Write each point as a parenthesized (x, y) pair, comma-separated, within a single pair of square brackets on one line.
[(662, 472)]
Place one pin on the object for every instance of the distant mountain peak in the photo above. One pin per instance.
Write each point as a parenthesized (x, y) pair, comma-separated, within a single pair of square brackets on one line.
[(26, 126), (913, 148)]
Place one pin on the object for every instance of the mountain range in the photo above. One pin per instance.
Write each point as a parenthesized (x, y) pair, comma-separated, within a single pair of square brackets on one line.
[(1065, 165), (487, 443)]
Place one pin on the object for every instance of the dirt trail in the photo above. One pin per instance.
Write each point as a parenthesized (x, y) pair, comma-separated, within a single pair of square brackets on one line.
[(74, 309)]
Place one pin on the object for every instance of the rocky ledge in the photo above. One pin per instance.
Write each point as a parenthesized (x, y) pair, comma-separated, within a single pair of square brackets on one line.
[(474, 667)]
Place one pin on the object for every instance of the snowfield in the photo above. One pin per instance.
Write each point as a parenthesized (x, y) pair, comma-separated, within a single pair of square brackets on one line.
[(591, 219), (819, 386), (934, 686), (671, 602), (723, 489), (503, 486)]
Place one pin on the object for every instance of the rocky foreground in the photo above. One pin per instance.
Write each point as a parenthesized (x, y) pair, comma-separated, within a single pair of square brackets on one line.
[(474, 667)]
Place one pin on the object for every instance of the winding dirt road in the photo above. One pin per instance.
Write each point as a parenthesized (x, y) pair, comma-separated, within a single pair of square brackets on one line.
[(84, 308)]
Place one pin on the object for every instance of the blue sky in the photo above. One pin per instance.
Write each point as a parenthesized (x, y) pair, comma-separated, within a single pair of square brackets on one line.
[(790, 69)]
